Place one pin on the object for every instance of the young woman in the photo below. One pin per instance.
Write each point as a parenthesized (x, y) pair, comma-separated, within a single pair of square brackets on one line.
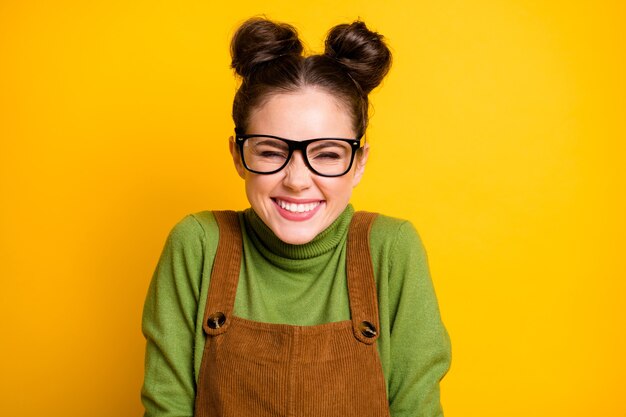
[(297, 306)]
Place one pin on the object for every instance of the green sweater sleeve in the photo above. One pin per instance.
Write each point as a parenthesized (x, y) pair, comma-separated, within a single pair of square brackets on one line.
[(169, 323), (419, 344)]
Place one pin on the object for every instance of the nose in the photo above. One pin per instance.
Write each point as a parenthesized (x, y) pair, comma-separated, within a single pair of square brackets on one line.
[(297, 174)]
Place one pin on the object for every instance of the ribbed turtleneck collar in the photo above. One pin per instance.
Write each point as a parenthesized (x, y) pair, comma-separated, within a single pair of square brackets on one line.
[(266, 241)]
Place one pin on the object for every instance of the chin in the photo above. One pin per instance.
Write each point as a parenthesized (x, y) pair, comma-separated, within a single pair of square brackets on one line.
[(295, 238), (294, 234)]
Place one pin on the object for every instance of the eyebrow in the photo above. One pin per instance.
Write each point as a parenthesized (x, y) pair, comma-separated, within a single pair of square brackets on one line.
[(324, 144), (272, 142)]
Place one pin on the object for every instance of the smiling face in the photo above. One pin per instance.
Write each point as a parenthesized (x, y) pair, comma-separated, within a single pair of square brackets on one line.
[(295, 203)]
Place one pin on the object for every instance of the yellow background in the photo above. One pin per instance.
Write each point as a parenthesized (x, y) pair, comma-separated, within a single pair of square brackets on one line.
[(499, 132)]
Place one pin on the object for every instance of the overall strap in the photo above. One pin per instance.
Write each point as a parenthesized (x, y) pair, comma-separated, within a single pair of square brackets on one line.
[(224, 275), (361, 282)]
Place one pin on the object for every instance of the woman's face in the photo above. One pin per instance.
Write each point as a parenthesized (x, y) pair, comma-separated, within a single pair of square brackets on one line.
[(306, 114)]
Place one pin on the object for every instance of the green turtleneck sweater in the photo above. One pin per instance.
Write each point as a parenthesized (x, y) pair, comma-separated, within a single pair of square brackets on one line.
[(307, 287)]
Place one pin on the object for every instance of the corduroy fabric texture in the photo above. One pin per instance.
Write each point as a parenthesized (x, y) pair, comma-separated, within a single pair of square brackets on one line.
[(262, 369)]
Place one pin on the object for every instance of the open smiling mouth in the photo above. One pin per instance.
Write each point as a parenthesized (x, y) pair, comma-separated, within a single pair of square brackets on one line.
[(297, 207)]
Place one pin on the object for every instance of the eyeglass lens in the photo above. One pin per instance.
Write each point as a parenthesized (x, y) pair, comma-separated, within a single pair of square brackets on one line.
[(326, 156)]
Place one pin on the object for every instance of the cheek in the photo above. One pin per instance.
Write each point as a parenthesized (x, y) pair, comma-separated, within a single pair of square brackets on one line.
[(259, 186), (337, 189)]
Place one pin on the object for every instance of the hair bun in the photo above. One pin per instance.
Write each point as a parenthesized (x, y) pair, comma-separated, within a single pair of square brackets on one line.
[(362, 53), (258, 41)]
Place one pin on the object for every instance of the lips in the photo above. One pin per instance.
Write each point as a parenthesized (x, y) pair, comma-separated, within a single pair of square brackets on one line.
[(297, 209)]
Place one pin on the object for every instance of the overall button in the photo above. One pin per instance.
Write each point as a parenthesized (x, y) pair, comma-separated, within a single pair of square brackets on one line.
[(367, 329), (216, 320)]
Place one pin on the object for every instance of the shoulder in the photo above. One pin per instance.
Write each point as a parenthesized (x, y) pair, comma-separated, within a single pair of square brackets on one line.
[(197, 226), (392, 234), (187, 228), (193, 228), (398, 254)]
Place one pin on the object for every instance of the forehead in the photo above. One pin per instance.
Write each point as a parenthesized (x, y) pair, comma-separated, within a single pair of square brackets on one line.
[(305, 114)]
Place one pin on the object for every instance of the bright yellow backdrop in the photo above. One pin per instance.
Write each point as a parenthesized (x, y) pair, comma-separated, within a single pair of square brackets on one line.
[(499, 132)]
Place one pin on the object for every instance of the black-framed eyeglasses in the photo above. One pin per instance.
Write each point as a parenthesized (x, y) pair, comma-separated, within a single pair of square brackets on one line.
[(268, 154)]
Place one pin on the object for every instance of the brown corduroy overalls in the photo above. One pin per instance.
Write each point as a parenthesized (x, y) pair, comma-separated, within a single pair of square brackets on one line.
[(254, 369)]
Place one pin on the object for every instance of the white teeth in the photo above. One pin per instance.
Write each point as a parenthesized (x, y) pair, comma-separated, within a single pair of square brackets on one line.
[(297, 208)]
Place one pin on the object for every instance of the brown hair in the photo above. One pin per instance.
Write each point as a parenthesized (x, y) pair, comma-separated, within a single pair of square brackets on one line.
[(268, 57)]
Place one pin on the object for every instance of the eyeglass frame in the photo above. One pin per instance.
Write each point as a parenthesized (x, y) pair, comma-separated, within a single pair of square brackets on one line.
[(298, 145)]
